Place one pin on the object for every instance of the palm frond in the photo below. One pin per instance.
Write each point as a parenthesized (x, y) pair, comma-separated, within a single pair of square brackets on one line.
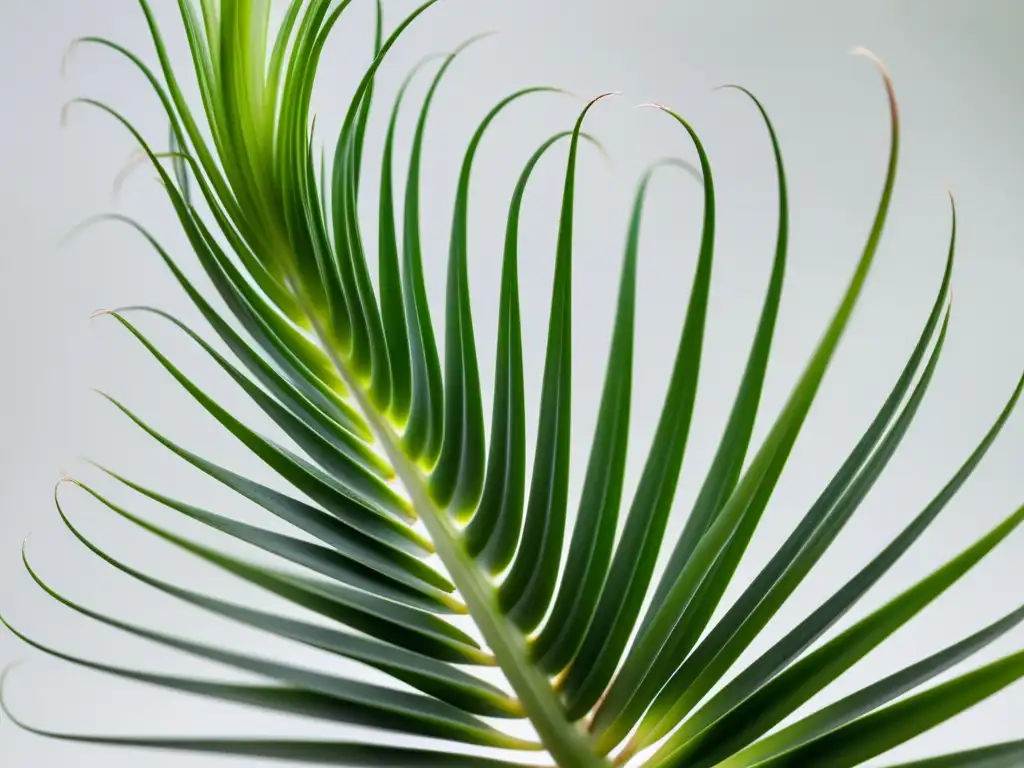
[(392, 463)]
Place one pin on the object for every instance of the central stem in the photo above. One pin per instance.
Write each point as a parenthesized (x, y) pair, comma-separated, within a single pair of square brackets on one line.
[(565, 741)]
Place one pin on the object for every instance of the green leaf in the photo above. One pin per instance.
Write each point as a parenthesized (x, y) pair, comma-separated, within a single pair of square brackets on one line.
[(457, 478), (526, 592), (276, 334), (425, 673), (182, 111), (742, 512), (889, 727), (369, 704), (1006, 755), (424, 429), (307, 752), (789, 566), (725, 468), (408, 627), (633, 565), (593, 535), (359, 136), (225, 210), (367, 353), (404, 589), (375, 509), (777, 698), (779, 656), (330, 529), (367, 348), (873, 696), (181, 172), (322, 438), (389, 275), (493, 533), (276, 698)]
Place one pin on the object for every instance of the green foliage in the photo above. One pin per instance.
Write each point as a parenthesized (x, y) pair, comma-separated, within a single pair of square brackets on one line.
[(390, 435)]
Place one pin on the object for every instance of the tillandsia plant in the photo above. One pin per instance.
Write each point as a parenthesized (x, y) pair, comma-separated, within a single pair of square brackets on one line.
[(408, 512)]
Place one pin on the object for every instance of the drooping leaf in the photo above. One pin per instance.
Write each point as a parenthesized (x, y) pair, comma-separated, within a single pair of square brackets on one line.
[(308, 752), (408, 627), (389, 557), (367, 704), (327, 562)]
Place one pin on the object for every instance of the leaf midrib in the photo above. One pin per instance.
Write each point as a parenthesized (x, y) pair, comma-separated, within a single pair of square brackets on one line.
[(567, 743)]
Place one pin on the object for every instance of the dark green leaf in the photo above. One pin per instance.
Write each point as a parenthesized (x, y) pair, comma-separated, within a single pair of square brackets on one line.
[(738, 518), (327, 562), (433, 677), (493, 533), (1006, 755), (794, 559), (334, 448), (424, 430), (332, 530), (389, 275), (525, 594), (725, 468), (881, 731), (777, 698), (873, 696), (370, 704), (779, 656), (633, 563), (372, 512), (457, 479), (296, 751), (594, 533), (408, 627)]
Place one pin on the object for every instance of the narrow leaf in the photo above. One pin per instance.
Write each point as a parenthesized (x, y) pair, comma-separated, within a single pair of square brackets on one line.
[(725, 468), (389, 275), (408, 627), (424, 430), (633, 564), (457, 479), (779, 697), (331, 529), (779, 656), (881, 731), (748, 501), (307, 752), (371, 704), (526, 592), (593, 535), (789, 566), (324, 561), (873, 696)]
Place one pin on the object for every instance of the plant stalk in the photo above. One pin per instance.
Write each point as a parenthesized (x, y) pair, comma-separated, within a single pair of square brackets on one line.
[(568, 744)]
